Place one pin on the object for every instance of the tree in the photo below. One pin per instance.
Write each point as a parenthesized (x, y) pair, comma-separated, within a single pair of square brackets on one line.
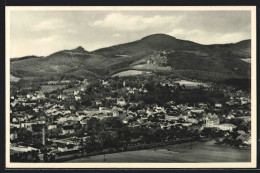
[(112, 122), (92, 123), (54, 132), (23, 134)]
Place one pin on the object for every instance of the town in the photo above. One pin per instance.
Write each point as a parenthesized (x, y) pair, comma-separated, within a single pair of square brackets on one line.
[(62, 119)]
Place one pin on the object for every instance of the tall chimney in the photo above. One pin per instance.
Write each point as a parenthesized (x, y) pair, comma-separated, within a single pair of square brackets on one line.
[(43, 135)]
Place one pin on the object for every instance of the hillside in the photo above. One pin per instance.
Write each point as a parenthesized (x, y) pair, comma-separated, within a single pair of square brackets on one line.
[(156, 53)]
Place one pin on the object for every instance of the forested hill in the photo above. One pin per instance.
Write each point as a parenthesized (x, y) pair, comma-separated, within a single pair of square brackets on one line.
[(158, 53)]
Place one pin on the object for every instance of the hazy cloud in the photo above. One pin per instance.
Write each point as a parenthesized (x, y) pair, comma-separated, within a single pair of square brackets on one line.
[(44, 32), (122, 22), (116, 35)]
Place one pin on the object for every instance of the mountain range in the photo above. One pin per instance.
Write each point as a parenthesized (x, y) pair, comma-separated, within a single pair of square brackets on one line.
[(158, 53)]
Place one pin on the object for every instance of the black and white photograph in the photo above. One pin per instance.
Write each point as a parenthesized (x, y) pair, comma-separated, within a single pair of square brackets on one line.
[(131, 87)]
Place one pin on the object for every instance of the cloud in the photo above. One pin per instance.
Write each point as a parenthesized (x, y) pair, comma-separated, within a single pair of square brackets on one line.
[(49, 25), (207, 37), (48, 39), (117, 35), (124, 22)]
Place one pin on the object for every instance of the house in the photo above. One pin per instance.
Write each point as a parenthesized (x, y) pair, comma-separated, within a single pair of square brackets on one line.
[(98, 102), (121, 102), (36, 109), (226, 127), (61, 120), (66, 112), (77, 98), (28, 104), (192, 120), (109, 98), (230, 116), (81, 113), (16, 125), (15, 120), (186, 124), (131, 91), (52, 82), (83, 121), (101, 116), (52, 126), (159, 109), (72, 107), (13, 134), (245, 118), (65, 81), (20, 148), (29, 95), (14, 103), (104, 110), (202, 105), (126, 120), (28, 125), (69, 122), (171, 118), (145, 91), (62, 97), (198, 111), (115, 111), (47, 105), (69, 147), (230, 103), (67, 130), (218, 105), (246, 139), (40, 96), (212, 122), (185, 117), (241, 132), (76, 93), (164, 126)]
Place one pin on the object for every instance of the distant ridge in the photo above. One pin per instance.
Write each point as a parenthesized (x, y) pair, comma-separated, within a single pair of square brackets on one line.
[(166, 53)]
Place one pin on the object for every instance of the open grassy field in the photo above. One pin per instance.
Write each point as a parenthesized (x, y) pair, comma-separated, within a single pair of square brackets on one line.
[(151, 67), (130, 73), (14, 79), (247, 60), (191, 83), (50, 88), (199, 152)]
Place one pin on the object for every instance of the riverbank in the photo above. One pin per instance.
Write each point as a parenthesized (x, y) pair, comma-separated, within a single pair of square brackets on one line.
[(176, 153)]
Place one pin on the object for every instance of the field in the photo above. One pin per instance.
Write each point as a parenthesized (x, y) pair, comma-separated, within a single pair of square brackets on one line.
[(199, 152), (191, 84), (151, 67), (14, 79), (50, 88), (247, 60), (129, 73)]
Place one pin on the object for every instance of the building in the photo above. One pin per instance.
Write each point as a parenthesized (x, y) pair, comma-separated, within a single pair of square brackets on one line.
[(218, 105), (121, 102), (226, 127), (77, 98), (40, 96), (52, 126), (68, 130), (212, 122), (69, 147)]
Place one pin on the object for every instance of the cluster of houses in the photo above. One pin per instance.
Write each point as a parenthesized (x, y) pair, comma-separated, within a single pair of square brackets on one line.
[(238, 98), (154, 116)]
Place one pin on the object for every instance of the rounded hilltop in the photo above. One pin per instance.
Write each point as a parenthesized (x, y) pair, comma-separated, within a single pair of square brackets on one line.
[(158, 36)]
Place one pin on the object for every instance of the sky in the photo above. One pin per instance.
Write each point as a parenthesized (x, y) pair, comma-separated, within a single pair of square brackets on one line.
[(44, 32)]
